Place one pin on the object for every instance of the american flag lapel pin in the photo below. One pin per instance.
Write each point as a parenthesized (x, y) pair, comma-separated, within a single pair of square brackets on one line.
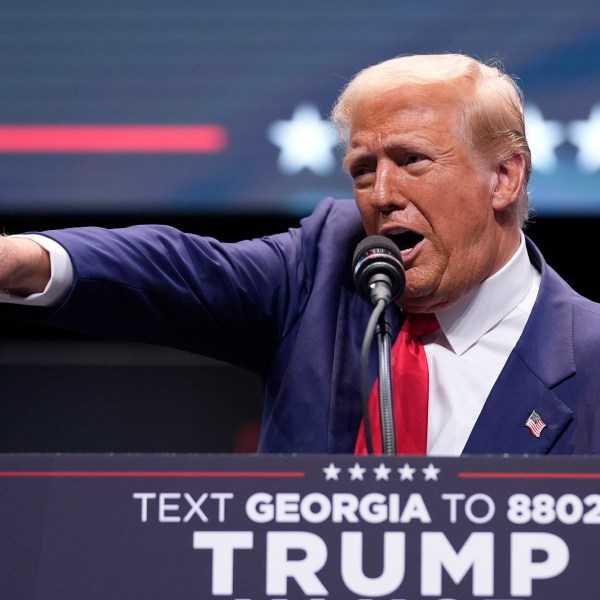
[(535, 424)]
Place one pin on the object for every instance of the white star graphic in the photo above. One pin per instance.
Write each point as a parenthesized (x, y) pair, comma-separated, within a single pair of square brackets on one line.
[(430, 472), (406, 472), (543, 138), (306, 142), (356, 472), (585, 135), (382, 472), (331, 472)]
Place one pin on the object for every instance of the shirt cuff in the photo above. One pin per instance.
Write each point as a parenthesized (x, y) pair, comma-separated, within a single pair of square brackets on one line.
[(61, 276)]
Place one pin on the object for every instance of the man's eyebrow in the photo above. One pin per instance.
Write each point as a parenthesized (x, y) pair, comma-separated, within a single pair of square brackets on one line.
[(394, 142), (353, 155)]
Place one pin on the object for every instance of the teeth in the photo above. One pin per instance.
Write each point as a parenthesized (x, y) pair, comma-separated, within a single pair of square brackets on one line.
[(397, 231)]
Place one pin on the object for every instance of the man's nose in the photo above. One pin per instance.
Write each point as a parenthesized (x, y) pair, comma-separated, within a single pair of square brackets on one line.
[(386, 194)]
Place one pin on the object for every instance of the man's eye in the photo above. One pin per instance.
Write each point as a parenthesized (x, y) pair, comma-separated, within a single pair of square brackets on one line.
[(359, 171), (411, 159)]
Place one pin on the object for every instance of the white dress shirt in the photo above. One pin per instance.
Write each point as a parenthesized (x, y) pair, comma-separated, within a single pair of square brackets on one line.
[(465, 356)]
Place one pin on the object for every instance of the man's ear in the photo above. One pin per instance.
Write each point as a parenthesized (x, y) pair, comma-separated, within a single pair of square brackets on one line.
[(510, 179)]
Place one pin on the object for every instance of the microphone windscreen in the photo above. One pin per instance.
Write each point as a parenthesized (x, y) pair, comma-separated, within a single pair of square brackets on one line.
[(374, 255)]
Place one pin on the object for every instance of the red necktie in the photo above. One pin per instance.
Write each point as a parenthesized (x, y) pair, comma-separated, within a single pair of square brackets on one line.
[(410, 386)]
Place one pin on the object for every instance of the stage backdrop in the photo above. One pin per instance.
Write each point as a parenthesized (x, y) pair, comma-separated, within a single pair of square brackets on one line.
[(202, 106), (209, 116)]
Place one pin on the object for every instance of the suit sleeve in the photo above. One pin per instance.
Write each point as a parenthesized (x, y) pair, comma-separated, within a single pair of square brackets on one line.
[(152, 283), (156, 284)]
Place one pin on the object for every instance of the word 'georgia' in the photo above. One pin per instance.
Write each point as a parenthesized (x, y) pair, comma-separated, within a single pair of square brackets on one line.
[(339, 508)]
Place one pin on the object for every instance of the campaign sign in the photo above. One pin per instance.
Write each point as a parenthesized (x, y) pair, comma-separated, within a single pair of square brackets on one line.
[(298, 527)]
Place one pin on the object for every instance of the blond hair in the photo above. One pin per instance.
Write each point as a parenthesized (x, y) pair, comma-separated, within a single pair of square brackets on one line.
[(491, 106)]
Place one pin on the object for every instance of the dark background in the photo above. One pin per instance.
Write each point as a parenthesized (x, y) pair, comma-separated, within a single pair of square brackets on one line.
[(241, 65)]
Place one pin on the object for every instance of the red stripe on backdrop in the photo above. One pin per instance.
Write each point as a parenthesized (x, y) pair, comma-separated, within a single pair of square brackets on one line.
[(112, 138), (506, 475)]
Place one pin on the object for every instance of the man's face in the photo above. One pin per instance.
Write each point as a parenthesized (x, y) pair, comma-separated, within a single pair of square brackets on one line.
[(417, 180)]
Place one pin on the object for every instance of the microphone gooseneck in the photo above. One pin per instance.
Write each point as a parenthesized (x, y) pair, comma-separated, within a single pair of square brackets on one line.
[(379, 278)]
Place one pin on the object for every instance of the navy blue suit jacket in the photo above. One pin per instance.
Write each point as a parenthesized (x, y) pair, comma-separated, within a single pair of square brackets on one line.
[(285, 307)]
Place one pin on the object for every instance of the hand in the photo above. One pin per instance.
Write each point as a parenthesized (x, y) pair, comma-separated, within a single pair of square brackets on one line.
[(24, 266)]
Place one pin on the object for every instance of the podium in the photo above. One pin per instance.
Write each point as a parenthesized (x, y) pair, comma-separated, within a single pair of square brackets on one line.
[(305, 527)]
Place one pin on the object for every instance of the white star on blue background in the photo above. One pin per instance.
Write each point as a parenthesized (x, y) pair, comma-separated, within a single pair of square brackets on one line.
[(430, 473), (586, 136), (543, 137), (382, 472), (306, 141), (406, 472), (331, 472), (356, 472)]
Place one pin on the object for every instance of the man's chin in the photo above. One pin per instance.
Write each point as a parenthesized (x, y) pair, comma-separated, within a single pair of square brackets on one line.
[(419, 299), (413, 304)]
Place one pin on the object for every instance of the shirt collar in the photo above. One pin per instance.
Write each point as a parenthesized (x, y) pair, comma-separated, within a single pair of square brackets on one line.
[(479, 311)]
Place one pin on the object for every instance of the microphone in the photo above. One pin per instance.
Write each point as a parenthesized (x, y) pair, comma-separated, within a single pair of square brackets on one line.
[(378, 269)]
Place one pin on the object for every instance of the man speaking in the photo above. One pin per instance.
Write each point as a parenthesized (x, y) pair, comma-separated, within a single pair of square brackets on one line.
[(437, 153)]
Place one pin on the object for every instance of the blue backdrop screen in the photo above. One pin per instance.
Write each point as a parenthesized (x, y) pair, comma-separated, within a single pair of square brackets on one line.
[(212, 106)]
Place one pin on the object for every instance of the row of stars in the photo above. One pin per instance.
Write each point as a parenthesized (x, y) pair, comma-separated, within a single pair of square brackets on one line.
[(382, 472), (307, 141)]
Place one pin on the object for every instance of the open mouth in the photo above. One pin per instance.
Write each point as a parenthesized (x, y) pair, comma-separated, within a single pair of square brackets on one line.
[(405, 240)]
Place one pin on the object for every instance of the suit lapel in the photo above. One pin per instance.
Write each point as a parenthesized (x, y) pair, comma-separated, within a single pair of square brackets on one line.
[(501, 428), (542, 358)]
